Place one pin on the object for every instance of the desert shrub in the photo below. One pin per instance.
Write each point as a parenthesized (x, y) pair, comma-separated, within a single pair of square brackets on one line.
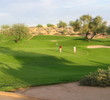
[(50, 25), (100, 78)]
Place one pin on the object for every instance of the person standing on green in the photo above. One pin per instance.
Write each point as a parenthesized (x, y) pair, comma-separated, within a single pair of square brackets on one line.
[(60, 48), (74, 49)]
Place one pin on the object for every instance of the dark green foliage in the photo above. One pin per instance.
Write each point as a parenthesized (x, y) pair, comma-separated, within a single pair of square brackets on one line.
[(100, 78), (97, 25), (108, 30), (76, 25), (86, 19)]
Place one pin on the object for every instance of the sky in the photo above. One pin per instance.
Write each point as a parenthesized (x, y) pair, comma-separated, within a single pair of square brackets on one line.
[(33, 12)]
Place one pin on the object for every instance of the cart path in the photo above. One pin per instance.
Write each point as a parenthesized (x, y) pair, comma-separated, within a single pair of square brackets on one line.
[(68, 91)]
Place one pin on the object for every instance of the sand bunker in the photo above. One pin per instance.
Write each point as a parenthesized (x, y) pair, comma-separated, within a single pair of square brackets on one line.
[(98, 46)]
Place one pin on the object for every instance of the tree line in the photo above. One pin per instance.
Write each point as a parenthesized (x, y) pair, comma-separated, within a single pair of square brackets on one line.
[(87, 25)]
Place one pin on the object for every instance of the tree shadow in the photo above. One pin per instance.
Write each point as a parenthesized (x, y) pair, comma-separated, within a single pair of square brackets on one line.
[(37, 69), (100, 63), (100, 40), (80, 38), (104, 42), (57, 51)]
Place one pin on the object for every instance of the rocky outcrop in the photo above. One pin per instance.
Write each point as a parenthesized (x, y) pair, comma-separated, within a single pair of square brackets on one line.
[(51, 31)]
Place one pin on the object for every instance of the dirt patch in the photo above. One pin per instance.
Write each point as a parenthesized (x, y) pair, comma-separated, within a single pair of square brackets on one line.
[(14, 96), (98, 46)]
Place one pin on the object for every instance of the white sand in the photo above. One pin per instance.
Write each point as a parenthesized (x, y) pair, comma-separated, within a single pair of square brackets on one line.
[(98, 46)]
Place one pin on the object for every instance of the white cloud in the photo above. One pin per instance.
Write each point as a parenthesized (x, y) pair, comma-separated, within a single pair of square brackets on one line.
[(4, 15), (22, 6), (108, 23), (79, 3), (48, 4), (45, 11)]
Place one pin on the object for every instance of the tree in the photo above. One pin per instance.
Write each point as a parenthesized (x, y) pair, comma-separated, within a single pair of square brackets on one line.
[(92, 26), (5, 26), (85, 20), (19, 31), (108, 30), (5, 29), (97, 26), (76, 25), (62, 24)]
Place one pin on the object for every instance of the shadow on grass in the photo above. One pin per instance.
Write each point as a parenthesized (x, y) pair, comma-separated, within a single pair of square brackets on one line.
[(100, 63), (80, 38), (58, 51), (38, 69), (103, 41)]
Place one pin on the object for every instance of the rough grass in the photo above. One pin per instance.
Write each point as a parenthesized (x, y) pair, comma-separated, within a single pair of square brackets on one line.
[(38, 61)]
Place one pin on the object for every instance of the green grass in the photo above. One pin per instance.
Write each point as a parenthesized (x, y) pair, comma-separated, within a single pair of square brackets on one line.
[(38, 61)]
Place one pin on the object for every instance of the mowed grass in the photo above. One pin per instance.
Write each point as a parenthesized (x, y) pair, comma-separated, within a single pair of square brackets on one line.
[(38, 61)]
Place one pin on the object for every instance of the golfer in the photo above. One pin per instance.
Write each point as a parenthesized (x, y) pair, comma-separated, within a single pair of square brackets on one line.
[(60, 48), (74, 49)]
